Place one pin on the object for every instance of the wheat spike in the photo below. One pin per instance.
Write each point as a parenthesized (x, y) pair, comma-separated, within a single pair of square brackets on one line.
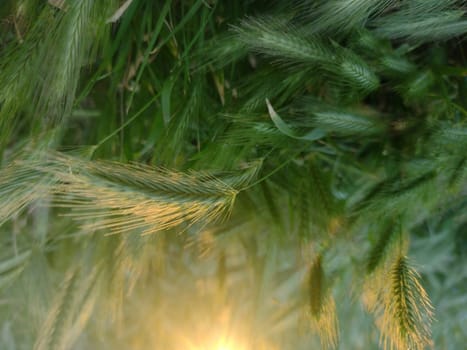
[(323, 319), (408, 312)]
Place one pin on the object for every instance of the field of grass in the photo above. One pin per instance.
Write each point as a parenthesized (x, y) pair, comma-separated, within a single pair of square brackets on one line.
[(233, 175)]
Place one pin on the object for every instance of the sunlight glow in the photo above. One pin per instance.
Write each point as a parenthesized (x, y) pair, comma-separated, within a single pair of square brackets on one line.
[(221, 343), (224, 347), (227, 345), (216, 331)]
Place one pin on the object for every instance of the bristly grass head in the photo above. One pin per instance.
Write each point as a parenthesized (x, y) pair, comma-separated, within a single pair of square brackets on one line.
[(408, 313), (122, 197), (323, 319)]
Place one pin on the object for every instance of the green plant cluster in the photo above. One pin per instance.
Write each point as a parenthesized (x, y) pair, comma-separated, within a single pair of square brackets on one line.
[(286, 175)]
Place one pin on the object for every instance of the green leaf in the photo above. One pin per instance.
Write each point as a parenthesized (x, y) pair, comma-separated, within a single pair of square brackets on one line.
[(312, 135)]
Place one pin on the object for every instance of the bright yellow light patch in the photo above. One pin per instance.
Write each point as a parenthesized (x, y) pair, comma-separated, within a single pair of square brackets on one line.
[(219, 344), (227, 345), (224, 347)]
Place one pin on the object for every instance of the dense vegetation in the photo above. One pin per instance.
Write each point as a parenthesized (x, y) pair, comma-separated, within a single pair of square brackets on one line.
[(202, 174)]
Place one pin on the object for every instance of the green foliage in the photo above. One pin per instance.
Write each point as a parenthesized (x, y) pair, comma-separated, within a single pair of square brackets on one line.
[(389, 238), (175, 174), (56, 38)]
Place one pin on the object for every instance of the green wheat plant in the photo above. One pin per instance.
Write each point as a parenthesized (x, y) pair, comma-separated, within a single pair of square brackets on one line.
[(206, 174)]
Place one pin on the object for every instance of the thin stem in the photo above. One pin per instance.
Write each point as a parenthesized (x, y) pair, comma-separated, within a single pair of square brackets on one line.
[(136, 115)]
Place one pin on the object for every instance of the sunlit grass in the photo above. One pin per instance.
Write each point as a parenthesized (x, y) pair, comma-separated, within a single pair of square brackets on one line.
[(232, 175)]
